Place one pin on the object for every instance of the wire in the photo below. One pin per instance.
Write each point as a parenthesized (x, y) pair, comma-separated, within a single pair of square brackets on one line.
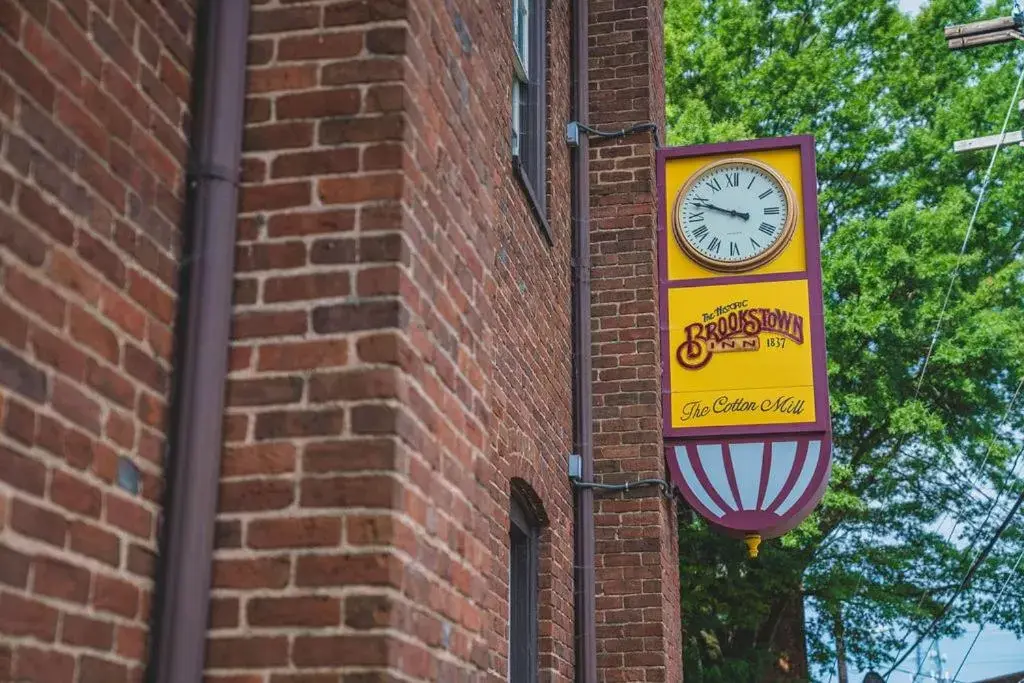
[(985, 619), (945, 305), (964, 583), (967, 237), (638, 128)]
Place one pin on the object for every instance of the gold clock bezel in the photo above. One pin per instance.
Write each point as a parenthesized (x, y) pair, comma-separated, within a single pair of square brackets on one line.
[(788, 230)]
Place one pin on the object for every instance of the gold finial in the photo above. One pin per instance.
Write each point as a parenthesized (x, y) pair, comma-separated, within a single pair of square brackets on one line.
[(753, 542)]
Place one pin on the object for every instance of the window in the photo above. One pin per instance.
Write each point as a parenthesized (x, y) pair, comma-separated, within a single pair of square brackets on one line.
[(522, 594), (529, 104)]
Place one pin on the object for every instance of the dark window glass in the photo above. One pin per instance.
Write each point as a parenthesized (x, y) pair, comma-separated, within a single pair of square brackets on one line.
[(529, 104), (523, 571)]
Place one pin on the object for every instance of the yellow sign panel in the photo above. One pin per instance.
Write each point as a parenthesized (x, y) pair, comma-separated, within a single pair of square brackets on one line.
[(740, 354), (786, 162)]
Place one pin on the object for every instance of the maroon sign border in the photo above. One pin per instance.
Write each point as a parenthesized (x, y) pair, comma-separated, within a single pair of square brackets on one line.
[(812, 240)]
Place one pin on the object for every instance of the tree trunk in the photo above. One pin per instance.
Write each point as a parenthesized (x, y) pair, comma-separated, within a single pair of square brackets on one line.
[(844, 676)]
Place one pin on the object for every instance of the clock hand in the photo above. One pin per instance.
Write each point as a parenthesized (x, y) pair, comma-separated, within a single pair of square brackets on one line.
[(737, 214)]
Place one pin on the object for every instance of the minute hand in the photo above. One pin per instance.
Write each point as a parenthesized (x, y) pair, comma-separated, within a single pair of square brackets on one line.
[(730, 212)]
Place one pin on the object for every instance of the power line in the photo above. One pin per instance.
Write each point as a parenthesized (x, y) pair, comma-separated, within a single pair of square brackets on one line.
[(992, 609), (964, 583)]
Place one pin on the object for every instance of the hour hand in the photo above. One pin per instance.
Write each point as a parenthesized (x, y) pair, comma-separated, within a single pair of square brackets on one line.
[(729, 212)]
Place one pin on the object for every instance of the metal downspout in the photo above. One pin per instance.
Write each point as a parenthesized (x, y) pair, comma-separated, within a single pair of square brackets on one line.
[(583, 529), (207, 272)]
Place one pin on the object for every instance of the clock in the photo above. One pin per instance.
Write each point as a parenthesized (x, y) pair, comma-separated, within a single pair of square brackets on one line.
[(735, 215)]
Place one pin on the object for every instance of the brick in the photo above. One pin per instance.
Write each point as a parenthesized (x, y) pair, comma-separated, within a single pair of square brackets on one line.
[(144, 368), (303, 355), (14, 567), (306, 287), (247, 652), (13, 327), (43, 666), (151, 297), (71, 275), (75, 495), (58, 353), (274, 197), (21, 472), (360, 492), (284, 19), (34, 295), (352, 455), (270, 391), (386, 41), (299, 611), (77, 406), (387, 127), (224, 613), (81, 631), (343, 570), (278, 136), (297, 424), (301, 224), (23, 617), (296, 532), (334, 251), (24, 73), (82, 125), (305, 164), (20, 422), (253, 496), (251, 573), (95, 670), (131, 643), (22, 241), (353, 71), (353, 317), (85, 328), (364, 12), (110, 383), (323, 651), (57, 579), (366, 612), (281, 79), (354, 385), (277, 255), (38, 523), (319, 104), (129, 515), (115, 596), (320, 46), (45, 216), (141, 561), (92, 541), (75, 41), (269, 324)]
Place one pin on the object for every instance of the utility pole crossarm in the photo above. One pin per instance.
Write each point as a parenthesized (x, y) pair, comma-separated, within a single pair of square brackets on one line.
[(987, 32), (991, 141)]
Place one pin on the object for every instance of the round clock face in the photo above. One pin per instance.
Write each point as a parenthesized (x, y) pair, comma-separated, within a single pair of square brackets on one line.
[(735, 215)]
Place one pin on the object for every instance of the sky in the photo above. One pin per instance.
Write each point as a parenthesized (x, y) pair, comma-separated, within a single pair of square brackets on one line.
[(911, 5)]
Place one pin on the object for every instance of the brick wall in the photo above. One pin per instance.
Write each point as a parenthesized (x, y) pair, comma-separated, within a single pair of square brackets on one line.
[(638, 624), (93, 100), (401, 351)]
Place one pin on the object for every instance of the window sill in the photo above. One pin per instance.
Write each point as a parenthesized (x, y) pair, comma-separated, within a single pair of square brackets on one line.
[(535, 205)]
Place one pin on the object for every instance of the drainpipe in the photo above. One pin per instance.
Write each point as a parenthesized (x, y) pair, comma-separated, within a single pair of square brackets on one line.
[(583, 529), (204, 333)]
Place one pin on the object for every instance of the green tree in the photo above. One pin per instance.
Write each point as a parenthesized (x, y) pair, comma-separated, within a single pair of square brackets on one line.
[(885, 99)]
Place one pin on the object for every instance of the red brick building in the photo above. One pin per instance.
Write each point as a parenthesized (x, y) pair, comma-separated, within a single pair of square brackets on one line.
[(377, 379)]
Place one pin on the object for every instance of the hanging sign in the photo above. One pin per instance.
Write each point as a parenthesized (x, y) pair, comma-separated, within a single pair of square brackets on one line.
[(745, 393)]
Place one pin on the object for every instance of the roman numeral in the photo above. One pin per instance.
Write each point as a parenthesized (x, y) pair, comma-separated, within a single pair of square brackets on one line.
[(733, 179), (700, 232), (754, 242), (767, 229), (772, 211), (764, 194), (715, 245), (734, 249), (714, 184), (701, 199), (751, 182), (696, 216)]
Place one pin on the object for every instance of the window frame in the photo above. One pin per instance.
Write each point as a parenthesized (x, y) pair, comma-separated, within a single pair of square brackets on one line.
[(524, 595), (529, 106)]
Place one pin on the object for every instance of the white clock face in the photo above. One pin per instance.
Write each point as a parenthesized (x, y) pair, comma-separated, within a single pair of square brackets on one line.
[(735, 215)]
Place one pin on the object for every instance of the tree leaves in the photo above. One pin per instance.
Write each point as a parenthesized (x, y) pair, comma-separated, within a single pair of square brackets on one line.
[(885, 100)]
